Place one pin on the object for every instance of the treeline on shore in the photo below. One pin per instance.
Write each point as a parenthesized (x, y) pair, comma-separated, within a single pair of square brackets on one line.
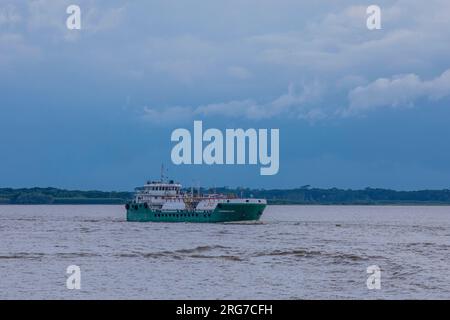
[(335, 196), (61, 196), (303, 195)]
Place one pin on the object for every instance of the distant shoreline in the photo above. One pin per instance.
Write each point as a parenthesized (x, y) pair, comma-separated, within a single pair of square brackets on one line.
[(299, 196), (268, 203)]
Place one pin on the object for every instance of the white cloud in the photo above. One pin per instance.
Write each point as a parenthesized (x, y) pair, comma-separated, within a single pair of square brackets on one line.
[(289, 104), (399, 91), (439, 87), (292, 104)]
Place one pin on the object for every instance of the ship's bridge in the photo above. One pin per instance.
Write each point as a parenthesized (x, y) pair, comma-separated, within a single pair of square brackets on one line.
[(157, 188)]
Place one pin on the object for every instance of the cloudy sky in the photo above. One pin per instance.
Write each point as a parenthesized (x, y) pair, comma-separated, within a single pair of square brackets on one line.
[(94, 108)]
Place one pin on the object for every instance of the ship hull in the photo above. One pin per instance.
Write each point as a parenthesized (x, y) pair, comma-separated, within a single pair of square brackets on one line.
[(225, 212)]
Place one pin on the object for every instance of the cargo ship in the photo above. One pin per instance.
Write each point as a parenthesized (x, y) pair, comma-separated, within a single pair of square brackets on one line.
[(165, 201)]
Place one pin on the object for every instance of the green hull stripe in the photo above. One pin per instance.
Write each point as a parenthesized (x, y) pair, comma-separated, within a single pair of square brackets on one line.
[(227, 213)]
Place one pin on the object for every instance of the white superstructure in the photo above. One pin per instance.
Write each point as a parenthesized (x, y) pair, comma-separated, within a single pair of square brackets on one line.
[(168, 196)]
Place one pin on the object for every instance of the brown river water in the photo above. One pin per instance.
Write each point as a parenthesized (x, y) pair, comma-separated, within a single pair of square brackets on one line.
[(294, 252)]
